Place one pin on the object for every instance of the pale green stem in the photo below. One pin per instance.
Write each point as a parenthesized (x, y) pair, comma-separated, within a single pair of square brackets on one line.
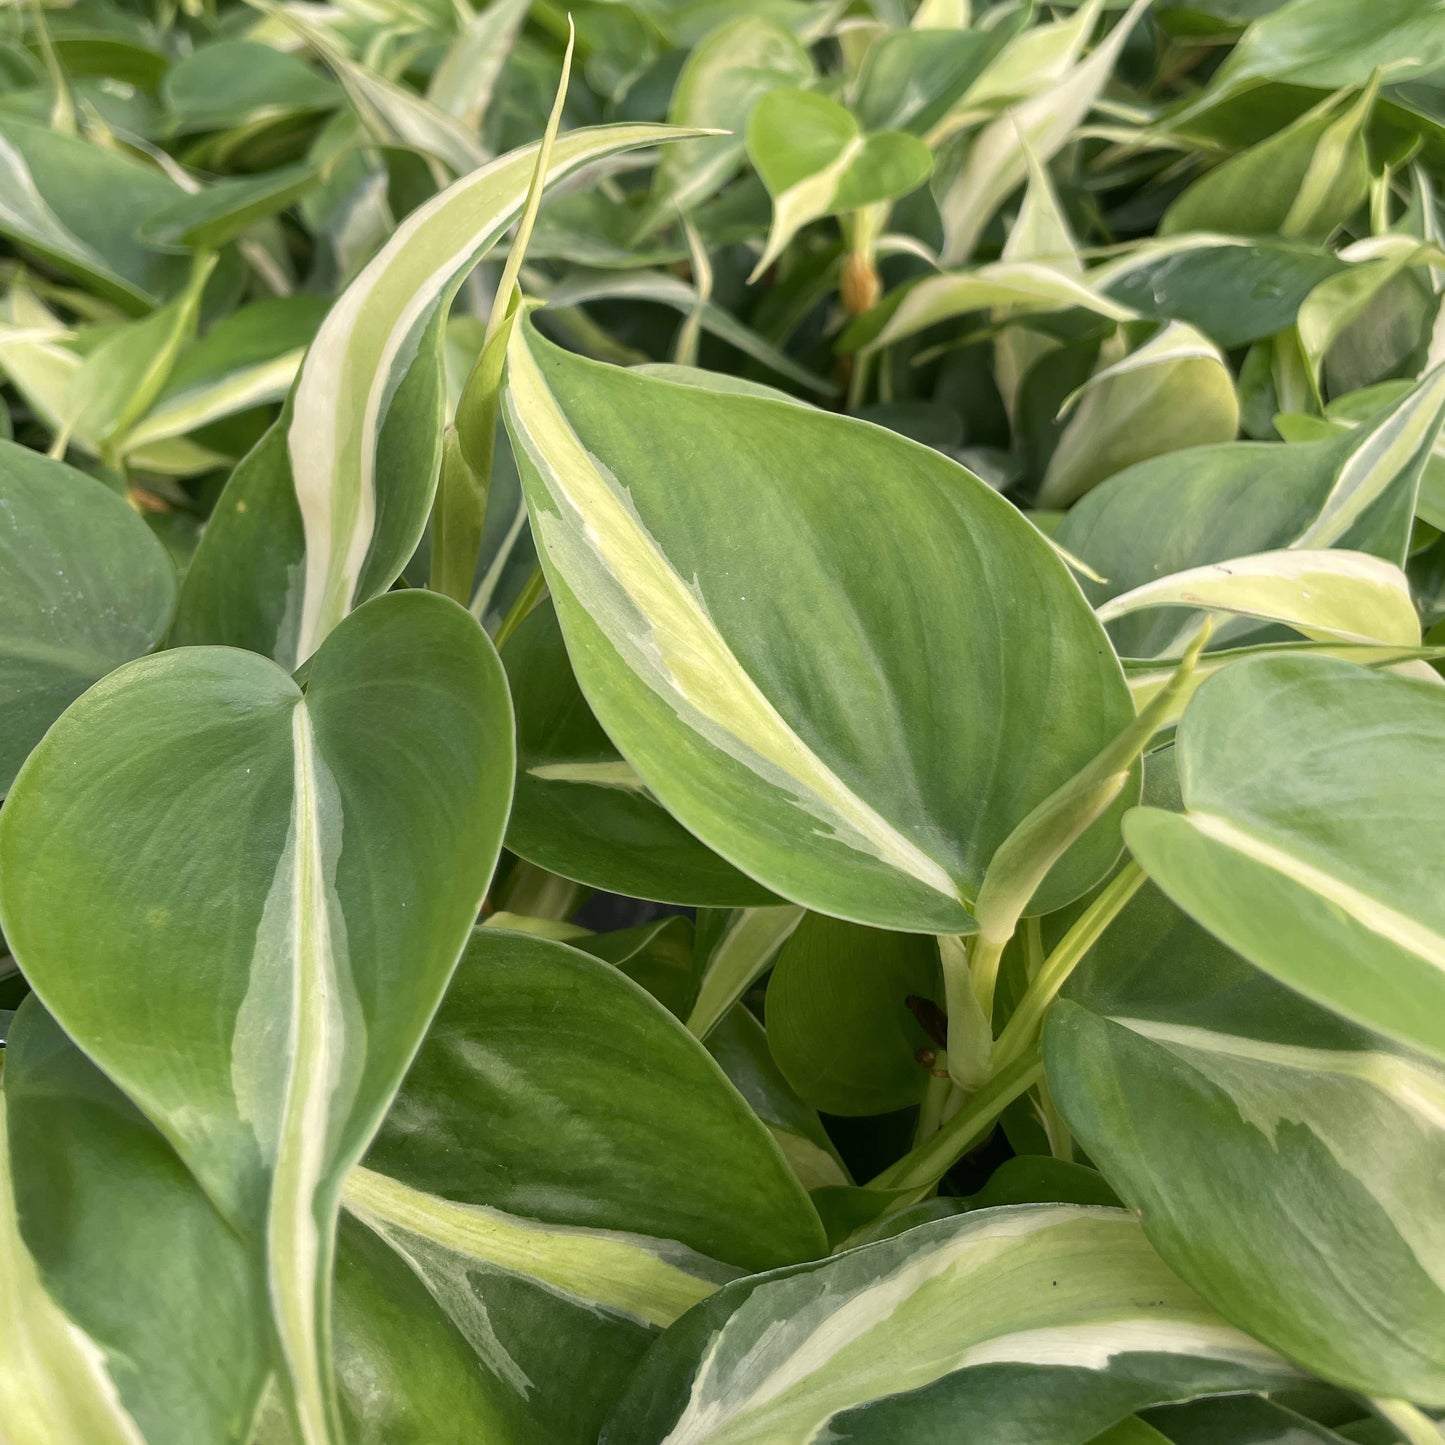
[(925, 1165), (1023, 1028), (1414, 1425), (935, 1095), (984, 956)]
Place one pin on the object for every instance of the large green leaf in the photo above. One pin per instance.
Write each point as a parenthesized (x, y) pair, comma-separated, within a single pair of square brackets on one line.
[(278, 883), (132, 1312), (1314, 794), (331, 505), (565, 1171), (1031, 1323), (742, 634), (1305, 1206), (580, 810), (84, 587)]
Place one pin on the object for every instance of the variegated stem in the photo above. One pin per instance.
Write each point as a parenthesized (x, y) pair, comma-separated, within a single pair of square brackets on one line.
[(923, 1167), (1414, 1425), (1022, 1030)]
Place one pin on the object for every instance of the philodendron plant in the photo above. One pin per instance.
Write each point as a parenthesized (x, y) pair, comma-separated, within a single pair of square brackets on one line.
[(743, 752)]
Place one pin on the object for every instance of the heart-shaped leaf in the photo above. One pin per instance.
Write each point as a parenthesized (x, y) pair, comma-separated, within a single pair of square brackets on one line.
[(740, 638), (277, 882)]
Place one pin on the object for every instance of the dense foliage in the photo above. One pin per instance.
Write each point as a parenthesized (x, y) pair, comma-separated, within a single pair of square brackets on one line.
[(796, 795)]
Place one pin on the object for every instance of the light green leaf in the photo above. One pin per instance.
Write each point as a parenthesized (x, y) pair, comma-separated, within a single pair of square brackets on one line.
[(132, 1313), (247, 359), (1303, 1207), (220, 212), (816, 161), (242, 82), (466, 80), (292, 964), (329, 508), (1173, 392), (1208, 504), (1312, 794), (1338, 42), (84, 587), (820, 776), (722, 79), (1022, 286), (1045, 1322), (734, 949), (913, 79), (116, 383), (1349, 596)]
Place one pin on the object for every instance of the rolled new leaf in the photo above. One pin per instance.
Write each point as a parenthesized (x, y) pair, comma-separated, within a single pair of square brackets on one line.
[(328, 508), (278, 882), (849, 714)]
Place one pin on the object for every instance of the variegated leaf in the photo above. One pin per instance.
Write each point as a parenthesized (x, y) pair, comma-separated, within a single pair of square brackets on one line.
[(279, 880), (1175, 391), (997, 159), (1053, 1320), (1303, 1208), (1348, 596), (1313, 808), (132, 1315), (565, 1171), (756, 683)]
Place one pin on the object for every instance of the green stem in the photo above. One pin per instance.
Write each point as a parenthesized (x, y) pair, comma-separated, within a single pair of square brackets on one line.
[(925, 1165), (1022, 1030), (1414, 1425), (935, 1096), (531, 594)]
